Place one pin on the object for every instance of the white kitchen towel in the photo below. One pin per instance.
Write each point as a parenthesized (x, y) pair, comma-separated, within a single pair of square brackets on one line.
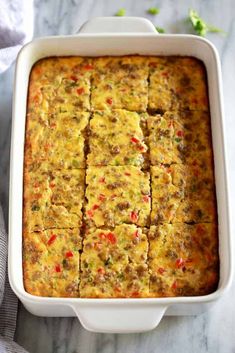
[(8, 300), (16, 29)]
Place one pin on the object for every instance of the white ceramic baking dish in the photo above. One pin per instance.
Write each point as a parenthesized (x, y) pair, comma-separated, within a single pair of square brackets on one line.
[(117, 36)]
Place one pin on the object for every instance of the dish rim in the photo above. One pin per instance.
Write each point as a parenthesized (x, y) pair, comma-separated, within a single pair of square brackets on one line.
[(21, 293)]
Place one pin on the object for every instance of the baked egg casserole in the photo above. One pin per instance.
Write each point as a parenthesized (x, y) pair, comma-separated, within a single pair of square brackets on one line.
[(119, 188)]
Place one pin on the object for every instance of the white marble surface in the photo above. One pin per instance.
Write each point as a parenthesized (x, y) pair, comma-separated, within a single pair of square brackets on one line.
[(211, 332)]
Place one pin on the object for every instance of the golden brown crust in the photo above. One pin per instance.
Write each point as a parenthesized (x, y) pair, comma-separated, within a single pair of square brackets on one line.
[(182, 193), (111, 144), (180, 137), (183, 259), (177, 83), (117, 195), (114, 263), (120, 83), (53, 200), (51, 262)]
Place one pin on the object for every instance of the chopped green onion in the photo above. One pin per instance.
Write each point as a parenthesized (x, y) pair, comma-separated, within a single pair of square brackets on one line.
[(160, 30), (153, 11), (121, 12)]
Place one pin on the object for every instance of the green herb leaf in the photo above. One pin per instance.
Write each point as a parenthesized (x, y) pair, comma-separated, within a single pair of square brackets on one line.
[(200, 26), (160, 30), (121, 12), (215, 29), (153, 11)]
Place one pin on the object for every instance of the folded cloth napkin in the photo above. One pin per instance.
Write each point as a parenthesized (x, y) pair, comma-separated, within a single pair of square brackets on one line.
[(16, 29)]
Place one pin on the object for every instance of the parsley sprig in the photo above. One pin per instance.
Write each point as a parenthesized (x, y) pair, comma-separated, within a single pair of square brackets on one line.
[(200, 26)]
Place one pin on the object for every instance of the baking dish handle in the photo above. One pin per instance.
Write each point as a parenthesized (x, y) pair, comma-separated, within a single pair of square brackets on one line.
[(118, 25), (119, 318)]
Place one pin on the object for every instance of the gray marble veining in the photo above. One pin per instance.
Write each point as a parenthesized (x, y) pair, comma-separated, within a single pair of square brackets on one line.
[(209, 332)]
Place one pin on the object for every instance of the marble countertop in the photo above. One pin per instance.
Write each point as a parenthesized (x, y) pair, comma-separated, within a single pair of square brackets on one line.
[(209, 332)]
